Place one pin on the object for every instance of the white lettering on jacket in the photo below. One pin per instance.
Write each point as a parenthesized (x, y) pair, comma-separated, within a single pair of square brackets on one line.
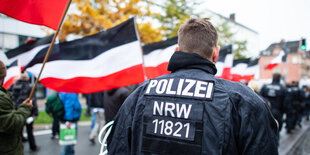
[(172, 109), (184, 87)]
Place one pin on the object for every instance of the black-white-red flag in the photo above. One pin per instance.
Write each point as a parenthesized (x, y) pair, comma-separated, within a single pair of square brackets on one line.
[(225, 62), (244, 69), (157, 56), (102, 61)]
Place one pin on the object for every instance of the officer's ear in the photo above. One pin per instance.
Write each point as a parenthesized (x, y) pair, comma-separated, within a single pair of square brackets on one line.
[(215, 53)]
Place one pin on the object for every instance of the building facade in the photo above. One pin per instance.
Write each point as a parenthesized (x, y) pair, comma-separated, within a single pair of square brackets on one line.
[(241, 32), (296, 66), (13, 33)]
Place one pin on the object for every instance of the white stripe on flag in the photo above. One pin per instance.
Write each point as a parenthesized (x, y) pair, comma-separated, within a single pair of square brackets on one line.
[(251, 70), (11, 72), (239, 69), (111, 61), (219, 66), (159, 56), (26, 57), (228, 60)]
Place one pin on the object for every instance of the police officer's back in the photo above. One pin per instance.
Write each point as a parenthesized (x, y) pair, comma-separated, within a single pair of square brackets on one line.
[(293, 105), (190, 111), (275, 93)]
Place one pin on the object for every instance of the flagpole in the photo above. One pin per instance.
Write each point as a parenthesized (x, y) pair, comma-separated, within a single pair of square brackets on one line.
[(138, 36), (50, 48)]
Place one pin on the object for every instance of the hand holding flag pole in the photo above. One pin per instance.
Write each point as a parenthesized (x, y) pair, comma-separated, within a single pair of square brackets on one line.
[(50, 48)]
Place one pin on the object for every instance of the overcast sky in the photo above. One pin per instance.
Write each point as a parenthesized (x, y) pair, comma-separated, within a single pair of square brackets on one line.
[(272, 19)]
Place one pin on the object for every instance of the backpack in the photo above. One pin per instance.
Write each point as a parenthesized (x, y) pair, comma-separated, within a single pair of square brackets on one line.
[(55, 106)]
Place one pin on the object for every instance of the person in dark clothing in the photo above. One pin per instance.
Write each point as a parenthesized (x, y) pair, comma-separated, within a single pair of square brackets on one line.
[(300, 103), (190, 111), (307, 101), (88, 108), (21, 91), (275, 93), (112, 100), (55, 108), (292, 103), (12, 121), (97, 106)]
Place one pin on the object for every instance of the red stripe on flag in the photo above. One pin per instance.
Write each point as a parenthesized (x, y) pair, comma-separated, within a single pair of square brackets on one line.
[(126, 77), (153, 72), (9, 82), (40, 12), (226, 73), (271, 66), (237, 77)]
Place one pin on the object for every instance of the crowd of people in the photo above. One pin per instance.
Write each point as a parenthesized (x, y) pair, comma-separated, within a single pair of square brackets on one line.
[(290, 100), (289, 103), (17, 112), (66, 108), (189, 111)]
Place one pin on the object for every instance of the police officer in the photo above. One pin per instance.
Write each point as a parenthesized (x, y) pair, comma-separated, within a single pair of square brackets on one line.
[(275, 93), (292, 104), (307, 101), (190, 111), (299, 102)]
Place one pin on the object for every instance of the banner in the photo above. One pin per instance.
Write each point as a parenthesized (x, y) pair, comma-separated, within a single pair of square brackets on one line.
[(157, 56), (39, 12), (103, 61), (225, 62)]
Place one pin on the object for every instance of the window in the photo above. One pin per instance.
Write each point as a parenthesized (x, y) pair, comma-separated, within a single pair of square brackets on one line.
[(276, 70), (9, 41), (294, 60), (22, 39), (285, 71)]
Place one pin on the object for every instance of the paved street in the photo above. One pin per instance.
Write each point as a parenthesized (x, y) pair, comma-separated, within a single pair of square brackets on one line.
[(52, 147), (296, 143), (291, 143)]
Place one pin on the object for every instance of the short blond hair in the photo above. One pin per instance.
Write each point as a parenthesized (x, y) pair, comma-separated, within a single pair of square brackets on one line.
[(254, 85), (197, 36)]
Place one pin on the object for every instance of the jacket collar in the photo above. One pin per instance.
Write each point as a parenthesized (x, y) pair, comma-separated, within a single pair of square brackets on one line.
[(183, 60)]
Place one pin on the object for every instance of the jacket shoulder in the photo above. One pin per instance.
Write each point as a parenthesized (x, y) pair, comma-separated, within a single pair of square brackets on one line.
[(240, 94)]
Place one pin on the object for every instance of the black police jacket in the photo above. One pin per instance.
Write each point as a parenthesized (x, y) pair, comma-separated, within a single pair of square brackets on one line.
[(190, 111), (275, 94), (294, 97)]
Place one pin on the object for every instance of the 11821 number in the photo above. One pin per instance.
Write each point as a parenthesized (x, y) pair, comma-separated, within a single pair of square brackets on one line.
[(170, 128)]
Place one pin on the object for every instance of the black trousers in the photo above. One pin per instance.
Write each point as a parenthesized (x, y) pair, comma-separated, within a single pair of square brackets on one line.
[(31, 139), (291, 120), (55, 126), (278, 115)]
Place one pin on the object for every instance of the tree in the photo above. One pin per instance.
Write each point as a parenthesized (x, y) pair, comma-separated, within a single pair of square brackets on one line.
[(97, 15), (174, 13), (226, 37)]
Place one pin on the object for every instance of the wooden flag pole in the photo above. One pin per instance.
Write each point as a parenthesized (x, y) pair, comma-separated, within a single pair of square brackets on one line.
[(50, 49)]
